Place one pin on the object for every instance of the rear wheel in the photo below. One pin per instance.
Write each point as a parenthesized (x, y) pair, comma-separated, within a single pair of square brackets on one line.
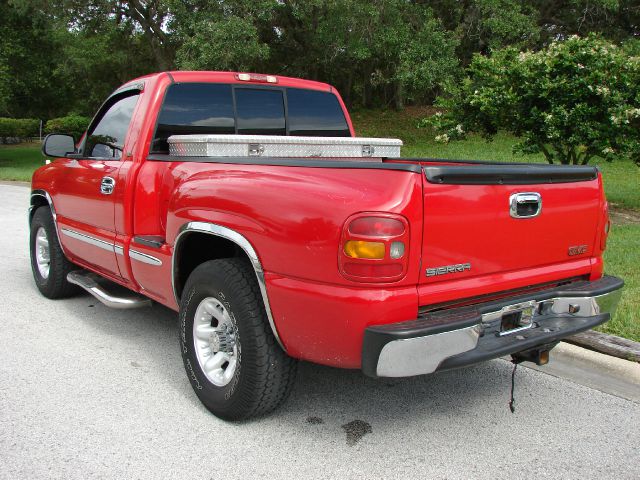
[(48, 263), (232, 359)]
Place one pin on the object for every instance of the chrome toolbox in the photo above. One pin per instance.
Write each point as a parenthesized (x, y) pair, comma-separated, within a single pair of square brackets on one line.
[(281, 146)]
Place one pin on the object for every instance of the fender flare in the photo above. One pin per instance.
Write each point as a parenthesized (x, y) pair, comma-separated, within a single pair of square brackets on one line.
[(44, 194)]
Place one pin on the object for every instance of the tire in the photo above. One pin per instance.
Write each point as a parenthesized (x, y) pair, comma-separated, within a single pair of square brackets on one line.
[(232, 359), (51, 278)]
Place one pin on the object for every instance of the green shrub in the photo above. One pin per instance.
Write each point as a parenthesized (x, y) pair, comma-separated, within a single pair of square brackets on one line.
[(71, 125), (574, 100), (19, 127)]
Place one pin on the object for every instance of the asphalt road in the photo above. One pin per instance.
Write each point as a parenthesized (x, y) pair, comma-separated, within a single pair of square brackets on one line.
[(88, 392)]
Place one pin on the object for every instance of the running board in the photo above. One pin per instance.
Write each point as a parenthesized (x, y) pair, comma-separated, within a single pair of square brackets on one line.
[(90, 282)]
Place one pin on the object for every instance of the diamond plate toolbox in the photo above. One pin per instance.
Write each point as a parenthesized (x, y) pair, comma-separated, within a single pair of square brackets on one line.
[(281, 146)]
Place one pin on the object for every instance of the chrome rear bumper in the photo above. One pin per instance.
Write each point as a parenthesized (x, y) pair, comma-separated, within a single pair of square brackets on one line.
[(466, 335)]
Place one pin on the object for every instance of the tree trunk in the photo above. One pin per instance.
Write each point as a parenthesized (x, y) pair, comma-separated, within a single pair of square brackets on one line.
[(347, 89), (366, 88), (399, 96)]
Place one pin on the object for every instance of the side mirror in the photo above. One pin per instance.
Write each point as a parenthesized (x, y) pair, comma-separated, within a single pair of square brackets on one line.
[(58, 145)]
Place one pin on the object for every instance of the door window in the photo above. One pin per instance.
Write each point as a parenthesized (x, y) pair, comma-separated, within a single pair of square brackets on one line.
[(106, 138)]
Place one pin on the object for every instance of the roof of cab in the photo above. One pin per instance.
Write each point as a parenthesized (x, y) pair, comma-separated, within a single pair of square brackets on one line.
[(180, 76)]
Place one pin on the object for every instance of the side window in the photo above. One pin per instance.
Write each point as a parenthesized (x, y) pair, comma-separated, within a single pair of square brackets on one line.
[(260, 111), (194, 108), (106, 138), (315, 113)]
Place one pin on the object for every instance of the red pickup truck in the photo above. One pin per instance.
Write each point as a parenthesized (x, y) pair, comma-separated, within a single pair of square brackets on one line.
[(395, 266)]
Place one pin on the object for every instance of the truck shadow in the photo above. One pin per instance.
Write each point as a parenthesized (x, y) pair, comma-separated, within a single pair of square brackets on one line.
[(321, 395)]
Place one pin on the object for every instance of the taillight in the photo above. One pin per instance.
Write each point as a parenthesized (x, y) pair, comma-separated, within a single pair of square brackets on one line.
[(374, 247)]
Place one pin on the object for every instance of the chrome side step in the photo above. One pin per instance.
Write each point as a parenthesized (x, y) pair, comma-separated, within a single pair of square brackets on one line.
[(90, 282)]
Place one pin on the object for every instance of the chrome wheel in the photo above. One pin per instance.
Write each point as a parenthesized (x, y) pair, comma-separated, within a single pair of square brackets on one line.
[(215, 341), (42, 255)]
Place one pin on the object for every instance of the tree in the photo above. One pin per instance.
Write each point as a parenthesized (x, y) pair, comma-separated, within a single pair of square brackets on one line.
[(146, 18), (228, 44), (379, 52), (481, 26), (572, 101), (616, 20), (28, 54), (92, 64)]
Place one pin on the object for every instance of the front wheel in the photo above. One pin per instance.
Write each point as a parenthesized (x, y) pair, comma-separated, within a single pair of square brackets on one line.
[(48, 263), (232, 359)]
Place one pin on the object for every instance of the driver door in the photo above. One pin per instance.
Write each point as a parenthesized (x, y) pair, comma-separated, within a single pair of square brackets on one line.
[(85, 202)]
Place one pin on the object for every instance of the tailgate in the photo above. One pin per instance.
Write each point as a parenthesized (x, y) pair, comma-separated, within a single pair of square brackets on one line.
[(488, 220)]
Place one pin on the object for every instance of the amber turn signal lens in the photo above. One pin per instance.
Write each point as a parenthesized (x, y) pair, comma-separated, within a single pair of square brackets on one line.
[(361, 249)]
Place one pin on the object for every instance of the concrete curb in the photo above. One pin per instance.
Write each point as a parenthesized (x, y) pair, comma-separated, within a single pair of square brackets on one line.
[(593, 369)]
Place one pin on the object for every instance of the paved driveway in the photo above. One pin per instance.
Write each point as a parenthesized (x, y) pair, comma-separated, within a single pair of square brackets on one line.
[(88, 392)]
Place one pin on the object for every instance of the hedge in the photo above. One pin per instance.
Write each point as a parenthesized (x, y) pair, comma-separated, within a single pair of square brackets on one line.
[(19, 127), (71, 125)]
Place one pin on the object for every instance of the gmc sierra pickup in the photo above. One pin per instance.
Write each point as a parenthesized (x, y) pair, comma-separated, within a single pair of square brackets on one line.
[(225, 196)]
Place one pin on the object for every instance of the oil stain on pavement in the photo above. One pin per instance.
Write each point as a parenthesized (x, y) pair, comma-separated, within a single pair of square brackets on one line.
[(355, 430)]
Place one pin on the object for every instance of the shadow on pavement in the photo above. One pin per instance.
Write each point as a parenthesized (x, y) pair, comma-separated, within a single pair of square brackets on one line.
[(321, 393)]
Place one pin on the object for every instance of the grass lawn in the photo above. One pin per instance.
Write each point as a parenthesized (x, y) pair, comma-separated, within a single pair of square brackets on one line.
[(622, 259), (622, 185), (17, 162)]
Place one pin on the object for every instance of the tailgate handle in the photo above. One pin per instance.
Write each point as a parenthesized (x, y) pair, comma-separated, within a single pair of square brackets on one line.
[(525, 205)]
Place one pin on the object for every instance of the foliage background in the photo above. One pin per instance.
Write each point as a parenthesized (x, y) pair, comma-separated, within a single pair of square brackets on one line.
[(574, 100), (60, 57)]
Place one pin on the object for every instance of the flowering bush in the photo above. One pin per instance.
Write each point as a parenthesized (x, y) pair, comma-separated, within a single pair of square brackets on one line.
[(575, 100)]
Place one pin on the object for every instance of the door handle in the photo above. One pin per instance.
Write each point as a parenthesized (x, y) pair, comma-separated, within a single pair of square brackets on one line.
[(107, 185)]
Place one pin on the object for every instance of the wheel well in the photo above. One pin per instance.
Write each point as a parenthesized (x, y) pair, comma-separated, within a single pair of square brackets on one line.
[(37, 201), (196, 248)]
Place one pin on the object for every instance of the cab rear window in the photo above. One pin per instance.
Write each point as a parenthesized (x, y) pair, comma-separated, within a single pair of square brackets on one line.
[(260, 111), (211, 108)]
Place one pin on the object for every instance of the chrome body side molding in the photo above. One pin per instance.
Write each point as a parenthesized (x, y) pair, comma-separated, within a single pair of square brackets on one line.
[(242, 242), (144, 258), (96, 242)]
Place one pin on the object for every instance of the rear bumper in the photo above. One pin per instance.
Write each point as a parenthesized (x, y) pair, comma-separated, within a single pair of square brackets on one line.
[(463, 336)]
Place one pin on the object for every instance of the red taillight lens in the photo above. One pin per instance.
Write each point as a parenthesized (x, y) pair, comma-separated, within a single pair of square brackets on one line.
[(374, 247), (373, 271), (376, 227)]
